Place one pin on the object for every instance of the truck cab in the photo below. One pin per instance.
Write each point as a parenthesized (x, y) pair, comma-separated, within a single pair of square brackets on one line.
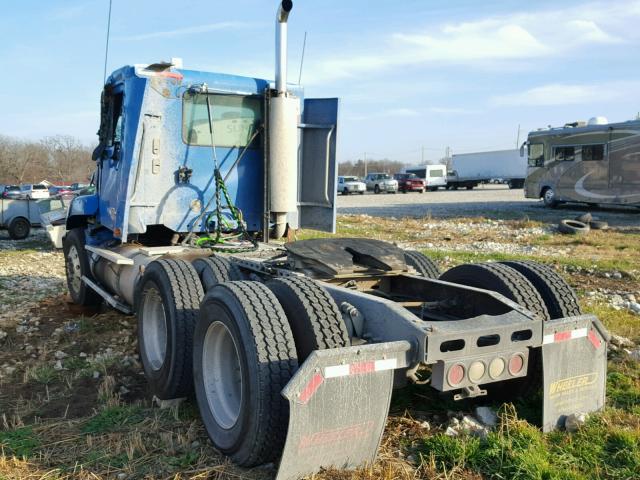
[(157, 155)]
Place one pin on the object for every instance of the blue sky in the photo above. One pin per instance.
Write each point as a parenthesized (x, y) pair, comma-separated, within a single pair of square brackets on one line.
[(409, 73)]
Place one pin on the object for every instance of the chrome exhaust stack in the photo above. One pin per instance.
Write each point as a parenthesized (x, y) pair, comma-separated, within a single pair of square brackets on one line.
[(284, 111), (281, 46)]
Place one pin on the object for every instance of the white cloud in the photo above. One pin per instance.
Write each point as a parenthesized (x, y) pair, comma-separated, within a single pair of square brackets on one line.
[(210, 27), (557, 94), (505, 40)]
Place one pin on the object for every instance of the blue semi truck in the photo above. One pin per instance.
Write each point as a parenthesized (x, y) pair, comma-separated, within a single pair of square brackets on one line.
[(293, 348)]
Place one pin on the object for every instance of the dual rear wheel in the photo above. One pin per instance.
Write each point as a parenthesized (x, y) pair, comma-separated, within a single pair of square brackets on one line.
[(237, 351)]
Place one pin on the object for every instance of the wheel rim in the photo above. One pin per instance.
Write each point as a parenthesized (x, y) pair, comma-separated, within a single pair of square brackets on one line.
[(21, 229), (74, 270), (154, 328), (222, 375), (548, 195)]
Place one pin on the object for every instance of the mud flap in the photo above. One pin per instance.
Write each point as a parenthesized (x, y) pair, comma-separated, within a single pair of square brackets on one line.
[(574, 358), (339, 401)]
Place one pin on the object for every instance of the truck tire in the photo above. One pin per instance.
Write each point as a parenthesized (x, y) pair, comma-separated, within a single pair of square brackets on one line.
[(76, 266), (167, 300), (19, 228), (573, 227), (244, 354), (559, 298), (423, 265), (469, 187), (549, 197), (515, 286), (214, 270), (499, 278), (314, 317)]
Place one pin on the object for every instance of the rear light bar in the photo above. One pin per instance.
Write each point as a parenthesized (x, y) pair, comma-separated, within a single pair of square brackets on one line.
[(479, 370)]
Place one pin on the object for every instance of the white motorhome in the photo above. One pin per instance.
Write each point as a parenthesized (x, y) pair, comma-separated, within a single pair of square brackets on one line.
[(434, 176), (591, 162)]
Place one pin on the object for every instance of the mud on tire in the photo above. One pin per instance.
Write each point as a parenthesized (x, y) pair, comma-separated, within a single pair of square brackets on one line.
[(314, 317), (243, 323), (167, 302)]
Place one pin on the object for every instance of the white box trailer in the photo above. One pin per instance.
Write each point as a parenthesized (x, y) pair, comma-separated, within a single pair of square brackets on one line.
[(470, 169)]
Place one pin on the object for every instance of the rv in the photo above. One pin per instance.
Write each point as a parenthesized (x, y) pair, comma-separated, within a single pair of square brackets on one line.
[(591, 162), (434, 175)]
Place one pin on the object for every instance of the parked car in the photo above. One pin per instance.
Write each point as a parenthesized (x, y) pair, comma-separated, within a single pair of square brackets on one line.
[(34, 191), (351, 184), (11, 191), (60, 191), (78, 186), (381, 182), (409, 182)]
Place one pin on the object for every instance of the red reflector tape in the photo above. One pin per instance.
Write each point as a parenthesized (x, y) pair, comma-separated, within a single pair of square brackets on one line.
[(362, 367), (311, 387), (593, 338), (564, 336)]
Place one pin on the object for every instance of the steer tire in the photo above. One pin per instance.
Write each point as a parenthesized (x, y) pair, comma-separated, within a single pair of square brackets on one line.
[(167, 301), (244, 355), (515, 286), (423, 265), (314, 317), (573, 227), (77, 266), (19, 228), (214, 270), (558, 296)]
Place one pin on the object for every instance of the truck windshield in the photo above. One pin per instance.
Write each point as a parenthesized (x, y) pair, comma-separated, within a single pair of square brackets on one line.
[(536, 155), (235, 118)]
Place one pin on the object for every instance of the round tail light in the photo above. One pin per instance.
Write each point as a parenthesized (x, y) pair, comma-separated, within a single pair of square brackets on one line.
[(455, 375), (496, 367), (516, 364), (476, 371)]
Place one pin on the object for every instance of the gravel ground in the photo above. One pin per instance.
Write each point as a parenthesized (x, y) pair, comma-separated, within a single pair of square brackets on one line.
[(490, 201)]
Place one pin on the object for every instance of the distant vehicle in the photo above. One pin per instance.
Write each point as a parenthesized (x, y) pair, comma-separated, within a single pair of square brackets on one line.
[(351, 184), (468, 170), (59, 191), (409, 182), (34, 191), (381, 182), (591, 162), (11, 191), (434, 176), (78, 186)]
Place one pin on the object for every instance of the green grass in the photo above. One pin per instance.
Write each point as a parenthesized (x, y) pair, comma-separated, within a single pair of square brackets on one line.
[(44, 374), (520, 450), (20, 442), (622, 322), (114, 418)]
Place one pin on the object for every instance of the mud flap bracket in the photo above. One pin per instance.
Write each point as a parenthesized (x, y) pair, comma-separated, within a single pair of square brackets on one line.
[(574, 358), (339, 401)]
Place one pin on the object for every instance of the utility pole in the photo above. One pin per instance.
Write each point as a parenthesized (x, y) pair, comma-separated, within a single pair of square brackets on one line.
[(518, 137), (422, 157), (365, 164)]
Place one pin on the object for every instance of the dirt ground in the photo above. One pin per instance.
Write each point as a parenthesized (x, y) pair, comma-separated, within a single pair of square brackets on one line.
[(74, 401)]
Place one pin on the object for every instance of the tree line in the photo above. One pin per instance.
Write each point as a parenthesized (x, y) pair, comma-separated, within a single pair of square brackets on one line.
[(359, 168), (60, 159)]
